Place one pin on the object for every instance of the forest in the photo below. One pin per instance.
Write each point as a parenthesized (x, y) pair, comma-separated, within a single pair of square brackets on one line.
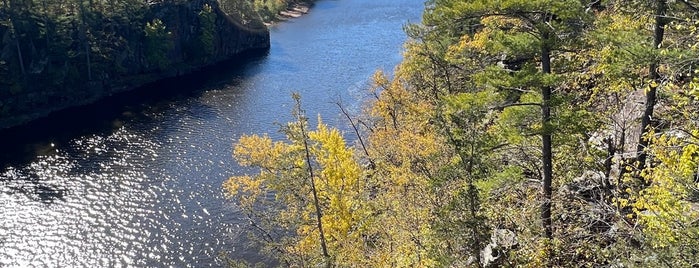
[(56, 54), (537, 133)]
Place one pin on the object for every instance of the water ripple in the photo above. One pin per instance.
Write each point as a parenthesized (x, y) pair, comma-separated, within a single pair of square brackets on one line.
[(145, 190)]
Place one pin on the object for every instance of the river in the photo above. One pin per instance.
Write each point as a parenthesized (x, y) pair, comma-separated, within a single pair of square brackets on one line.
[(136, 180)]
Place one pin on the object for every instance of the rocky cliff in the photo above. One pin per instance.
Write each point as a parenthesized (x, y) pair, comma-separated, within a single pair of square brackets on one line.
[(54, 60)]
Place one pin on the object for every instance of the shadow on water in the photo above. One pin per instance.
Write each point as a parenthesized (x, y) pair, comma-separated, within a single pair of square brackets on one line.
[(22, 144), (36, 190)]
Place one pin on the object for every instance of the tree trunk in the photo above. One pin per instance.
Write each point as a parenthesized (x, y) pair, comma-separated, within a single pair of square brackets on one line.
[(651, 94), (19, 54), (87, 59), (16, 36), (474, 202), (47, 36), (316, 203), (547, 155), (85, 41)]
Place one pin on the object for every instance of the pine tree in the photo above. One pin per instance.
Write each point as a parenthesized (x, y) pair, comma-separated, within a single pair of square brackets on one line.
[(517, 36)]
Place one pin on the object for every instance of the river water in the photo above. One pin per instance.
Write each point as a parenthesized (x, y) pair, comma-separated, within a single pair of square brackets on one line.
[(138, 183)]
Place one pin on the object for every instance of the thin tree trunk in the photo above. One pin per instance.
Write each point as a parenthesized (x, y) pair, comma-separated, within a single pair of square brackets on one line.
[(86, 42), (546, 148), (316, 203), (87, 59), (468, 163), (19, 54), (47, 36), (359, 136), (474, 203), (651, 94), (16, 36)]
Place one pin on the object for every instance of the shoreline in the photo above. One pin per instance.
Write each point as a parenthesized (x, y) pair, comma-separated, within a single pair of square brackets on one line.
[(294, 11)]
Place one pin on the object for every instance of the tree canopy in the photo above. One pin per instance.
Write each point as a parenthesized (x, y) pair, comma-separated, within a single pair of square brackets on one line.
[(547, 133)]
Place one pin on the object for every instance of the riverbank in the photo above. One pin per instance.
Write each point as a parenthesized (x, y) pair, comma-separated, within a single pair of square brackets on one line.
[(294, 10)]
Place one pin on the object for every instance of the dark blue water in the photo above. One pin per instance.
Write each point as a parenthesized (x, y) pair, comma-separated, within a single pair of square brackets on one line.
[(138, 183)]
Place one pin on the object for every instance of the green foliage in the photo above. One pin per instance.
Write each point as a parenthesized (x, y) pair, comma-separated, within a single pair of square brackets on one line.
[(207, 24), (158, 44), (243, 11), (268, 9), (50, 48), (455, 141)]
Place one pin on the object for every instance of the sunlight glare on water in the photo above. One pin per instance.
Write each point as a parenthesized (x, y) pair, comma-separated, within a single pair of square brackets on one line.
[(140, 185)]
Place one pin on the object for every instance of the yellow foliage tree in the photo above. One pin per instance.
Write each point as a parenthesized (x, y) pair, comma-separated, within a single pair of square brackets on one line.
[(307, 200)]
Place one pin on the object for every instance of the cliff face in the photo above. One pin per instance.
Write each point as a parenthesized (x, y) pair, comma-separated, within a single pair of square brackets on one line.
[(188, 24), (49, 65)]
